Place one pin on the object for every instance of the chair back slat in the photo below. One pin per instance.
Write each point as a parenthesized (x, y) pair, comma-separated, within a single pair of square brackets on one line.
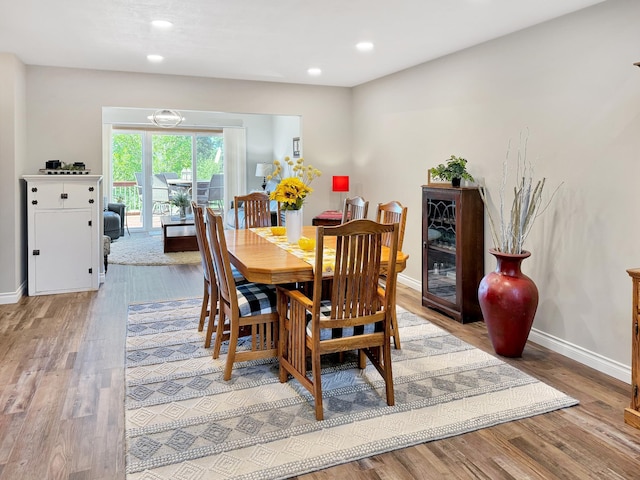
[(359, 315), (354, 290), (221, 262), (203, 242), (354, 208), (256, 210), (392, 212)]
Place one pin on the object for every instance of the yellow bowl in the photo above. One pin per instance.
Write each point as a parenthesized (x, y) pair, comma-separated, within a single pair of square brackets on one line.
[(278, 231), (307, 244)]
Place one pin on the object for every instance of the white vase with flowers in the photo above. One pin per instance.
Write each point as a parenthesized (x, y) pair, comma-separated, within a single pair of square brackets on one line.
[(292, 190)]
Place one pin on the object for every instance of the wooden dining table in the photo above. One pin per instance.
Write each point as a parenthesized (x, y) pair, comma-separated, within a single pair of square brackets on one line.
[(262, 261)]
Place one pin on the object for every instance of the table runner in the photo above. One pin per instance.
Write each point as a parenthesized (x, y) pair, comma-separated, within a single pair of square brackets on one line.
[(328, 254)]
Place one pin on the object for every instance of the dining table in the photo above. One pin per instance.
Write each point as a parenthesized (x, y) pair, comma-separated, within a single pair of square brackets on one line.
[(262, 260)]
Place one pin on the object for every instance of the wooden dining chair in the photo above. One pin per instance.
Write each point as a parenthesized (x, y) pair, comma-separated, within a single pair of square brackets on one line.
[(354, 209), (392, 212), (357, 315), (256, 210), (247, 309), (209, 307)]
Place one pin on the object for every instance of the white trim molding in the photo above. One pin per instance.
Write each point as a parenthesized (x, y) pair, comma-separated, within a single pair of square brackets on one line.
[(594, 360), (584, 356), (7, 298)]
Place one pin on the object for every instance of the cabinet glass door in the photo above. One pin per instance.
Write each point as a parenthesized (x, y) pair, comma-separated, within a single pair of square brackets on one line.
[(441, 249)]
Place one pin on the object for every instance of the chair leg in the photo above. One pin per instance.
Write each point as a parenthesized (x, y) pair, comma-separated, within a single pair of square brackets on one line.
[(219, 334), (205, 304), (395, 332), (231, 354), (213, 314), (317, 385)]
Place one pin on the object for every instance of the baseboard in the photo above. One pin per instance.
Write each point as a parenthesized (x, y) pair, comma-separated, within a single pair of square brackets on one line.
[(409, 282), (594, 360), (13, 297), (582, 355)]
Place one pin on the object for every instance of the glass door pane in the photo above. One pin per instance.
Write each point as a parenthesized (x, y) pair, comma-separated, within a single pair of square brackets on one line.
[(209, 171), (170, 171), (442, 248), (126, 174)]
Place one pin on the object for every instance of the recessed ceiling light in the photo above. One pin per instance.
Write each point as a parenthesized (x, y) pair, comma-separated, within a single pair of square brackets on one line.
[(364, 46), (314, 72), (162, 24), (155, 58)]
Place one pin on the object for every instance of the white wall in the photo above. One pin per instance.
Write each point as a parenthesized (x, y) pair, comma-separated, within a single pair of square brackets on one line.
[(12, 159), (65, 108), (572, 83)]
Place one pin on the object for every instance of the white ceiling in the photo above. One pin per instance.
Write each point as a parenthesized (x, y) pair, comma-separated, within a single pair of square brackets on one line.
[(276, 40)]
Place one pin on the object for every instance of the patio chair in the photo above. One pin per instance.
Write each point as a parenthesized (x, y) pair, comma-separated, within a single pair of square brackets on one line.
[(211, 193)]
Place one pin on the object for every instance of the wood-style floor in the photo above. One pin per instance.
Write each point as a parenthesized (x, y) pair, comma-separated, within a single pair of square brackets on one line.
[(62, 390)]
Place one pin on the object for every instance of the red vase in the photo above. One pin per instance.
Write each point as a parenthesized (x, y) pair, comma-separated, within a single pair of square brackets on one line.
[(508, 300)]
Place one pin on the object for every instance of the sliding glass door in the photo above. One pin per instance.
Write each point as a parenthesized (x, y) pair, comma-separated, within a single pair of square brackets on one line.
[(149, 166)]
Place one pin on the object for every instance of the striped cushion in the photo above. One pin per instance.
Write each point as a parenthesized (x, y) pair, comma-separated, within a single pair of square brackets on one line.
[(256, 298), (327, 333)]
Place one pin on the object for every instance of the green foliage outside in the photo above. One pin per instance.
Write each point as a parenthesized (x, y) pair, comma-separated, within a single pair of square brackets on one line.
[(171, 153)]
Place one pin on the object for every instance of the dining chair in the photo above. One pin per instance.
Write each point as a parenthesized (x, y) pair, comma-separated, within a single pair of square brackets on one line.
[(247, 309), (209, 307), (256, 210), (392, 212), (354, 209), (357, 314)]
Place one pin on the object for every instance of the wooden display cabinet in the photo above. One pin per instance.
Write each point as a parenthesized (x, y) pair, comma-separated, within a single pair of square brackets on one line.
[(632, 413), (452, 250)]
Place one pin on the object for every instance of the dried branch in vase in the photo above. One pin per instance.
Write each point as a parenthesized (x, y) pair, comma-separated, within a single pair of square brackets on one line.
[(514, 226)]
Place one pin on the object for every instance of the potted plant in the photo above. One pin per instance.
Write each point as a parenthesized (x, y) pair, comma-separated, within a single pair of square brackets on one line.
[(508, 298), (453, 171), (182, 200)]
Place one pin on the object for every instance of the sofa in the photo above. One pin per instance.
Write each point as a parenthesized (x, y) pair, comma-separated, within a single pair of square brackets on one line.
[(114, 220)]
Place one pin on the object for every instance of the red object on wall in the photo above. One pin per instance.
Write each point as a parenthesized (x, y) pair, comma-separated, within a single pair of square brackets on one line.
[(340, 183)]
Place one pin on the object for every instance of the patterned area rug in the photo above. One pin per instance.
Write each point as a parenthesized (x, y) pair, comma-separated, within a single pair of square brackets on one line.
[(145, 249), (183, 421)]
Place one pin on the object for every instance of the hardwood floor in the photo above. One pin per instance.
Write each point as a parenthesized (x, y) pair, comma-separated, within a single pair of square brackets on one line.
[(62, 390)]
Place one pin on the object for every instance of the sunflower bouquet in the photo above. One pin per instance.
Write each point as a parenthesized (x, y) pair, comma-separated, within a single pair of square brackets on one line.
[(291, 191)]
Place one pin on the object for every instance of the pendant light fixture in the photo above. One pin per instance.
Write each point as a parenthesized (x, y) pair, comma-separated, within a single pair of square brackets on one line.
[(166, 118)]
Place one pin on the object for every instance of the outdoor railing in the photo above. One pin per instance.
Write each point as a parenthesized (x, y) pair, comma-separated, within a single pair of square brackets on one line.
[(127, 193)]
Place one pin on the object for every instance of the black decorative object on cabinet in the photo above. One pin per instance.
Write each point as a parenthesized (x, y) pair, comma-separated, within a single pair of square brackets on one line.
[(452, 250)]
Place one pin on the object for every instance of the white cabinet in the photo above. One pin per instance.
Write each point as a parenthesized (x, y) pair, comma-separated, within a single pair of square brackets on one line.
[(64, 243)]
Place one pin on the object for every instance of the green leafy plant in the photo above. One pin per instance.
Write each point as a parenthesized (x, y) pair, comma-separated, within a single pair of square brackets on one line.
[(456, 167), (180, 199)]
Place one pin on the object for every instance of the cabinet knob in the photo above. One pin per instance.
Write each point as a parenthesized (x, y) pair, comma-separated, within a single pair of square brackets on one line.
[(36, 252), (34, 202), (91, 200), (91, 189), (64, 196), (34, 189)]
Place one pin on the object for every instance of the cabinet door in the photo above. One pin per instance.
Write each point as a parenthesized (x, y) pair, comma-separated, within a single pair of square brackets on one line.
[(441, 261), (63, 239)]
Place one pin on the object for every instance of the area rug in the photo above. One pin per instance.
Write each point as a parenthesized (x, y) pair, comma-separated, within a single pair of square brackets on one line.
[(147, 249), (183, 421)]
